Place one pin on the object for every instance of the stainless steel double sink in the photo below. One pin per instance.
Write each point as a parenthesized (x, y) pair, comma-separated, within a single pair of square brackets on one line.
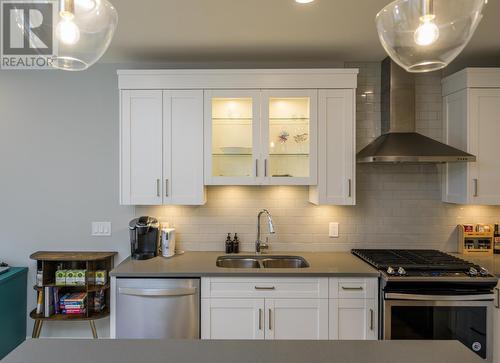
[(261, 262)]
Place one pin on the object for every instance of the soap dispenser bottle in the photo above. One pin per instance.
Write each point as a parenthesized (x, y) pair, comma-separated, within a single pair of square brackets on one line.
[(236, 244), (229, 244)]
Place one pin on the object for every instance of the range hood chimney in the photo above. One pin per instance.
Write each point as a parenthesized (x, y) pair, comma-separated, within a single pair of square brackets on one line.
[(399, 142)]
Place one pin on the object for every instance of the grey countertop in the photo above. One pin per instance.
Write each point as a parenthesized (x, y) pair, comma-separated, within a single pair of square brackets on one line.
[(190, 351), (491, 263), (197, 264)]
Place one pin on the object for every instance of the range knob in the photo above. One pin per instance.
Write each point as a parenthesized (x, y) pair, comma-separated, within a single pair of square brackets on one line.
[(401, 271), (483, 271), (473, 272), (390, 271)]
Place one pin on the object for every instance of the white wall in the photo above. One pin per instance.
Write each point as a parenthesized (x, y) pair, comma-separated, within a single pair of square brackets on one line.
[(59, 169)]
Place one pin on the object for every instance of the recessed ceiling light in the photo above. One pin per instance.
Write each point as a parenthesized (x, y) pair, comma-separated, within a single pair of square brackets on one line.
[(304, 1)]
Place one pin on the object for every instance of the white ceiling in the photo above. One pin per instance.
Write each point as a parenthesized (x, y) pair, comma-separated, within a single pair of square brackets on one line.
[(265, 31)]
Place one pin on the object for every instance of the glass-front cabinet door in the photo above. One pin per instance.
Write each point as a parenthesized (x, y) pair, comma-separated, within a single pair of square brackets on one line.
[(289, 137), (232, 137)]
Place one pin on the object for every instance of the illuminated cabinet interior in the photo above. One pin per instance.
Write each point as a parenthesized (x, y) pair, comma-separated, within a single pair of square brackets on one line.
[(260, 138), (289, 137), (232, 141)]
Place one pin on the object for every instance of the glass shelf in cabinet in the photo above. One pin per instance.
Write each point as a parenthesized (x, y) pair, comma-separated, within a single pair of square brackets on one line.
[(304, 119), (232, 118)]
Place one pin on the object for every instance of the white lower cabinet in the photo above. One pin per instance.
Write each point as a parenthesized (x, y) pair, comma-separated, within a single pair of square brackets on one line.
[(353, 308), (353, 319), (296, 319), (232, 319), (288, 308)]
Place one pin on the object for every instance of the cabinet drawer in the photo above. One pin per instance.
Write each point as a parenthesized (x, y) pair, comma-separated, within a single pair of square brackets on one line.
[(237, 287), (353, 288)]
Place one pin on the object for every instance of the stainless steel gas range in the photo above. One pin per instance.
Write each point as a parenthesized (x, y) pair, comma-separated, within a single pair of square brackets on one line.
[(431, 295)]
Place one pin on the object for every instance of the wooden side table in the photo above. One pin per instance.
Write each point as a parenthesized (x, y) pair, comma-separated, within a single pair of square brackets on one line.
[(49, 262)]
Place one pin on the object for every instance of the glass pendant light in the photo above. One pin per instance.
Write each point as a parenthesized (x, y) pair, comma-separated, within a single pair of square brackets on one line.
[(426, 35), (83, 32)]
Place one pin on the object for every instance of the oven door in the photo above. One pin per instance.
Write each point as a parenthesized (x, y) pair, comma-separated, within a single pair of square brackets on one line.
[(425, 317)]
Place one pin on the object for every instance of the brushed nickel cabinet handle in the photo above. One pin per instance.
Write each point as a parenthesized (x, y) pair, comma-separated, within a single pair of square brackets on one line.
[(265, 167), (166, 187), (352, 288), (497, 305), (256, 167), (157, 187), (270, 320), (264, 288), (476, 192), (371, 319), (260, 319), (350, 188)]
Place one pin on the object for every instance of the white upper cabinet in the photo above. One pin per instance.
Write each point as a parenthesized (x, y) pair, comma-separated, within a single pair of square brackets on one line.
[(183, 129), (183, 147), (141, 142), (232, 137), (336, 149), (161, 143), (289, 137), (266, 137), (471, 112)]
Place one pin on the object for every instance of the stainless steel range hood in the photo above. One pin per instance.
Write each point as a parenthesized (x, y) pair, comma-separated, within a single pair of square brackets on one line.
[(399, 142)]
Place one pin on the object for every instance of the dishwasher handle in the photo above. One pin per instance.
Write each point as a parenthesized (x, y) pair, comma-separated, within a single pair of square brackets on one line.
[(182, 291)]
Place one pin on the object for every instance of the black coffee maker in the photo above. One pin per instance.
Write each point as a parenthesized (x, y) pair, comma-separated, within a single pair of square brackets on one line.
[(144, 237)]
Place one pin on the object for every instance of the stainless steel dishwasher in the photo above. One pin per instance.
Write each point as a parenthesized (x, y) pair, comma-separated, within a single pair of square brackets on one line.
[(158, 308)]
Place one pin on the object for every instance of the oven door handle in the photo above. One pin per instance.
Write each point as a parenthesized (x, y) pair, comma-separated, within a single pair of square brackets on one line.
[(396, 296)]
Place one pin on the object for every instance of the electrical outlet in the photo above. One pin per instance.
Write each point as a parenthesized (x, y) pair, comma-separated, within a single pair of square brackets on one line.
[(333, 230), (101, 229)]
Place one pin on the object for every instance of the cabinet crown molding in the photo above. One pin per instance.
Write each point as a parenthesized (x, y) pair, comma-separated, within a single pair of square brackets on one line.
[(471, 78), (318, 78)]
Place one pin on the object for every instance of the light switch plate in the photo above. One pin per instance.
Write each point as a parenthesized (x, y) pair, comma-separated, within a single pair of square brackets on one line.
[(101, 229), (333, 230)]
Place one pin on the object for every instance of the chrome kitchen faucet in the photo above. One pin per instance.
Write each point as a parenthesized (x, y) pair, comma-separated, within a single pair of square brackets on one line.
[(258, 243)]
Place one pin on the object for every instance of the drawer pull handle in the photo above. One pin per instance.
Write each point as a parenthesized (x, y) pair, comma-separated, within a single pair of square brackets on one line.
[(264, 288), (270, 320), (352, 288), (260, 319), (371, 319), (157, 292)]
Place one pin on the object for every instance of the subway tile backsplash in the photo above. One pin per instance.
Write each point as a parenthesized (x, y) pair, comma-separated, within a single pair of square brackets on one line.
[(398, 206)]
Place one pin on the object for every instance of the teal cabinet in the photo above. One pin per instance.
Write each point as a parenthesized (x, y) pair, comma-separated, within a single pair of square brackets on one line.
[(12, 309)]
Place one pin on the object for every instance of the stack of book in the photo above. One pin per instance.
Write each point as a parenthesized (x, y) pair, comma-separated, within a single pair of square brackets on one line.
[(73, 303)]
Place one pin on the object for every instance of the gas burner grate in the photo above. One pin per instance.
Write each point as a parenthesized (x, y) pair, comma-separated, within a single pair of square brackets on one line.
[(412, 259)]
